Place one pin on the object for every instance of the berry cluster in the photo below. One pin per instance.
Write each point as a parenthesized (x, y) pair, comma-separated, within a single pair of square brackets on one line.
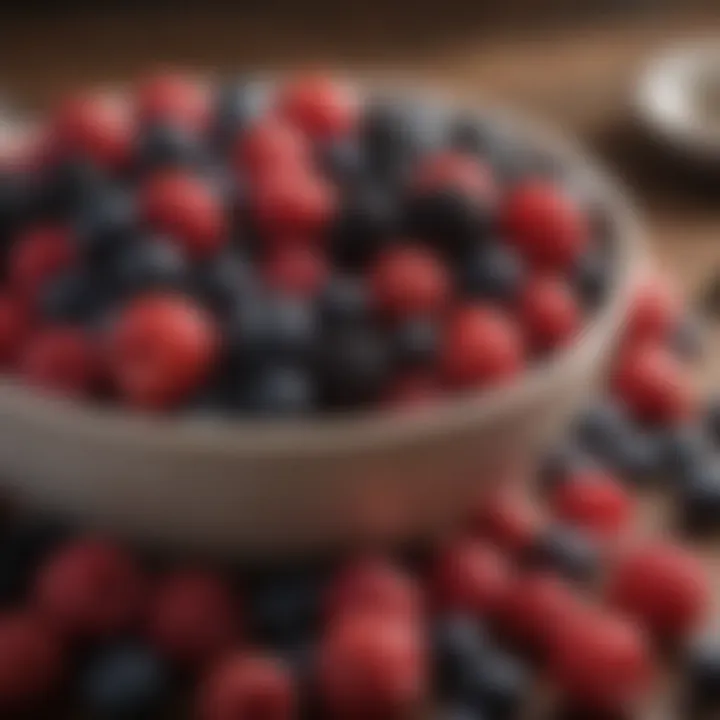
[(275, 250)]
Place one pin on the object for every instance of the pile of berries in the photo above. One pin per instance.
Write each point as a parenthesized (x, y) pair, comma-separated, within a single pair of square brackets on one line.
[(281, 249)]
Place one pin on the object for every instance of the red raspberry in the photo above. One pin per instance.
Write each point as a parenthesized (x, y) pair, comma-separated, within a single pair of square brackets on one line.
[(184, 208), (655, 310), (595, 501), (545, 225), (654, 385), (481, 348), (270, 147), (601, 662), (412, 391), (470, 577), (174, 98), (61, 360), (296, 270), (535, 607), (372, 666), (373, 585), (90, 588), (248, 686), (14, 327), (162, 348), (95, 126), (455, 170), (319, 106), (31, 661), (193, 618), (36, 256), (409, 281), (506, 518), (663, 586), (548, 313), (294, 204)]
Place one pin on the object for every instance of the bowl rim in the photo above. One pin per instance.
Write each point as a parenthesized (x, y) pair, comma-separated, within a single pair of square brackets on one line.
[(356, 431)]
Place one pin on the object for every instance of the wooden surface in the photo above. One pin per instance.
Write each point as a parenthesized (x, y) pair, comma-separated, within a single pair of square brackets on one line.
[(576, 74)]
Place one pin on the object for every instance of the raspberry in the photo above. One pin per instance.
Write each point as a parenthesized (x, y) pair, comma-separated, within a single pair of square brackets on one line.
[(548, 313), (162, 348), (14, 327), (372, 666), (61, 360), (482, 347), (184, 208), (98, 127), (595, 501), (409, 281), (319, 106), (545, 225), (296, 270), (655, 310), (90, 588), (31, 660), (601, 662), (174, 98), (663, 586), (270, 147), (36, 256), (654, 385), (375, 586), (470, 577), (248, 686)]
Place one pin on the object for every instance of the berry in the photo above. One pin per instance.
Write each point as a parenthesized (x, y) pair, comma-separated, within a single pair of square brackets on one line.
[(595, 501), (416, 343), (161, 349), (169, 145), (501, 686), (96, 127), (295, 270), (568, 551), (184, 208), (470, 577), (685, 450), (545, 225), (89, 588), (601, 662), (14, 327), (654, 386), (65, 188), (319, 106), (343, 302), (72, 297), (31, 661), (481, 348), (173, 98), (224, 281), (60, 360), (247, 686), (372, 666), (342, 161), (601, 428), (663, 586), (192, 618), (37, 255), (149, 264), (125, 682), (271, 147), (237, 106), (372, 585), (105, 224), (699, 498), (281, 390), (655, 310), (492, 272), (548, 314)]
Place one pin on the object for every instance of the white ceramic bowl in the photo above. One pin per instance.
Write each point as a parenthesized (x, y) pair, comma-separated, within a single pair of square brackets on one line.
[(314, 484)]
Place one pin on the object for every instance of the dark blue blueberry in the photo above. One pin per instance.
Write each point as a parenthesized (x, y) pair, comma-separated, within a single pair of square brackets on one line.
[(699, 498), (702, 675), (459, 650), (223, 281), (415, 343), (342, 160), (343, 301), (492, 272), (73, 297), (279, 391), (69, 186), (105, 223), (601, 427), (591, 278), (169, 145), (150, 264), (561, 463), (125, 682), (568, 551), (237, 106), (638, 456), (501, 687), (687, 340), (685, 450), (712, 421), (354, 366)]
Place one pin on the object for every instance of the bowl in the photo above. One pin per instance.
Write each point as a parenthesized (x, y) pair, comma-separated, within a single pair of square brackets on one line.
[(315, 485)]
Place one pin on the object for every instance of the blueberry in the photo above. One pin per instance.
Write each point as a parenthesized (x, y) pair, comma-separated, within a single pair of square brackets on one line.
[(150, 264), (699, 498), (343, 301), (685, 450), (501, 687), (69, 186), (169, 145), (568, 551), (72, 297), (279, 391), (415, 343), (600, 428), (354, 366), (237, 106), (459, 649), (223, 281), (638, 456), (591, 278), (105, 223), (492, 272), (702, 674), (342, 161), (687, 339), (125, 682)]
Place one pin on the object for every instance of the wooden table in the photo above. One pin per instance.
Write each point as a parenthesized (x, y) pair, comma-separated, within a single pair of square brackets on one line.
[(577, 75)]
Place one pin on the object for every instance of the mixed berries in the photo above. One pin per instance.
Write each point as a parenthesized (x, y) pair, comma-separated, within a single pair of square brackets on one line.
[(166, 223)]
